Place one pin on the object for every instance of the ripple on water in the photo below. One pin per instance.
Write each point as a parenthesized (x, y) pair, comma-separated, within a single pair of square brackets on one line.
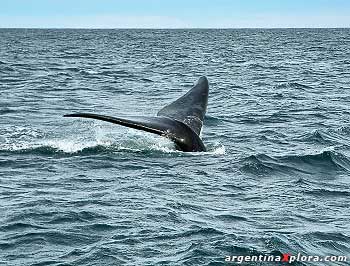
[(274, 179)]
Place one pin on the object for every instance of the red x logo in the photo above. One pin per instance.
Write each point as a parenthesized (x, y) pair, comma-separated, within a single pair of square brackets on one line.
[(286, 257)]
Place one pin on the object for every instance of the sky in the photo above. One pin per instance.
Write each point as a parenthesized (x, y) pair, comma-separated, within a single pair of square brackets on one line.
[(174, 13)]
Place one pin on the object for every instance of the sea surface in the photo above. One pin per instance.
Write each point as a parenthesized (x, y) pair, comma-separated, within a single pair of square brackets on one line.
[(275, 178)]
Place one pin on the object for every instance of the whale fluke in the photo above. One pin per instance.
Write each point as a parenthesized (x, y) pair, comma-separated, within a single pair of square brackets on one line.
[(191, 107), (181, 121)]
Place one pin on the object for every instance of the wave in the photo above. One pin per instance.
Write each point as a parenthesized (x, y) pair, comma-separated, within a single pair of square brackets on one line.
[(293, 85), (76, 55), (6, 110), (5, 69), (263, 164), (265, 66), (323, 162), (69, 147), (18, 226), (63, 147), (345, 130), (146, 80), (334, 137), (326, 160), (25, 141), (50, 150), (116, 73), (329, 193), (317, 136), (212, 121)]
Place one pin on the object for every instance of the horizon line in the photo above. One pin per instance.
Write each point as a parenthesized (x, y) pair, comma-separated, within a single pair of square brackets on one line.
[(164, 28)]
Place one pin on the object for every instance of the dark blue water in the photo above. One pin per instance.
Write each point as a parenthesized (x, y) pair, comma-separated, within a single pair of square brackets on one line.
[(276, 178)]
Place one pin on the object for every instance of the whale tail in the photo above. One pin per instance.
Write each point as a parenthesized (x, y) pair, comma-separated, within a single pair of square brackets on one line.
[(190, 109), (181, 121)]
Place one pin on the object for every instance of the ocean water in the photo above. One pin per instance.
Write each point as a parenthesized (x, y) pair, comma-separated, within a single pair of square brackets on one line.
[(275, 179)]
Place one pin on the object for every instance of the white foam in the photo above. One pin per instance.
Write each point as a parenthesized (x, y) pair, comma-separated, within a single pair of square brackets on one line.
[(138, 140), (219, 150), (22, 138), (68, 146)]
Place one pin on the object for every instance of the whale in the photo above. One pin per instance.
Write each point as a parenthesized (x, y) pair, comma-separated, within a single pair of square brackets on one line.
[(181, 121)]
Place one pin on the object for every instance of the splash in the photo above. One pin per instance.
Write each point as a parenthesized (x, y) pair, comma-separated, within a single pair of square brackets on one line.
[(94, 139), (219, 150)]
